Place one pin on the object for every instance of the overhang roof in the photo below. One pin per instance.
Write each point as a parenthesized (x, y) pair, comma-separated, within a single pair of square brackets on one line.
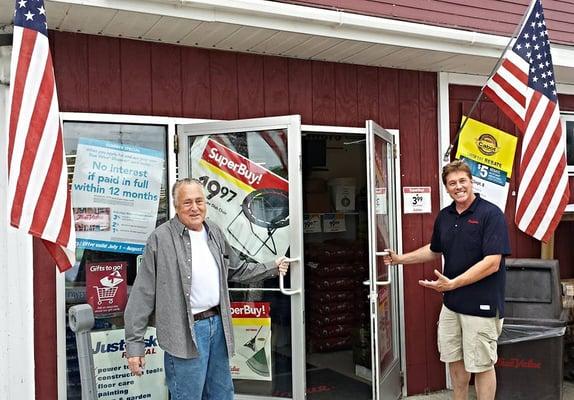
[(272, 28)]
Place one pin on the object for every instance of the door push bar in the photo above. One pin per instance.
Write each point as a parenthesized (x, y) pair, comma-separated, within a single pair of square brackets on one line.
[(288, 292), (381, 283)]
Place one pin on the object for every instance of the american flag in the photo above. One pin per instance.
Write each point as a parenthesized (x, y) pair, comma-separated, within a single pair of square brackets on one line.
[(38, 197), (524, 88)]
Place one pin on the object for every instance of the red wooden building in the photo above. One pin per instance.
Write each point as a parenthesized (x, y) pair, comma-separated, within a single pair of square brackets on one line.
[(410, 66)]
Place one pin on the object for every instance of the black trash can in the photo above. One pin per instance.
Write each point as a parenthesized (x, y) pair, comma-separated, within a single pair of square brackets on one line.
[(531, 346)]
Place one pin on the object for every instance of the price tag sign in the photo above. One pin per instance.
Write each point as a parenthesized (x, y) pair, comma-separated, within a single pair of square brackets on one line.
[(417, 200), (247, 201)]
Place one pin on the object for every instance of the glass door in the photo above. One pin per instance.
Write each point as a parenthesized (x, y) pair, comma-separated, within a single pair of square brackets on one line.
[(251, 171), (382, 284)]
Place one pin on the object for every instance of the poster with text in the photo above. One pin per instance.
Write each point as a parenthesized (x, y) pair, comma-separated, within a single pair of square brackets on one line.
[(114, 381), (489, 152), (417, 200), (106, 286), (115, 195), (252, 331), (247, 201)]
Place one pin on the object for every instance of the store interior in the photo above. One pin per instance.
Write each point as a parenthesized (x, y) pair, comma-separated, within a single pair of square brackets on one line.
[(338, 350)]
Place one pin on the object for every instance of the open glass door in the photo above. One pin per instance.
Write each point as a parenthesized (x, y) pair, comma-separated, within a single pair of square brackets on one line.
[(382, 284), (251, 171)]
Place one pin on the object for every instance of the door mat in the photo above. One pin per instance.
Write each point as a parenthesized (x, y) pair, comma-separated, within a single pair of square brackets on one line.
[(326, 384)]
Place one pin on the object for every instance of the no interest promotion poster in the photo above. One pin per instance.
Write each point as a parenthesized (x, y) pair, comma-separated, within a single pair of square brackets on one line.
[(489, 152), (114, 381), (115, 193), (252, 331), (247, 201)]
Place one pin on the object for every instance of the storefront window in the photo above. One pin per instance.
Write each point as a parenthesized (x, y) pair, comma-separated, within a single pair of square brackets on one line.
[(118, 179)]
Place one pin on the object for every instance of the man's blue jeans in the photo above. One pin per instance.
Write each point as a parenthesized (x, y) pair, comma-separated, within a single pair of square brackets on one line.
[(206, 377)]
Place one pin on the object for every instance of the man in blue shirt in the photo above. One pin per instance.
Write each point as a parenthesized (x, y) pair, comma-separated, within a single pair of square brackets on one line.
[(472, 236)]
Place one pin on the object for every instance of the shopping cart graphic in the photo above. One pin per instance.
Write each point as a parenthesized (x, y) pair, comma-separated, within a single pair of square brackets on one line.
[(106, 294)]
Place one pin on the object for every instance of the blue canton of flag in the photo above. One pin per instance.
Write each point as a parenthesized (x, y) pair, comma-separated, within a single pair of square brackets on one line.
[(533, 46), (32, 15)]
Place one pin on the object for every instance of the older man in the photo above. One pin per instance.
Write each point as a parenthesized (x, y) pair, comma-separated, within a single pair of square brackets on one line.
[(472, 236), (183, 279)]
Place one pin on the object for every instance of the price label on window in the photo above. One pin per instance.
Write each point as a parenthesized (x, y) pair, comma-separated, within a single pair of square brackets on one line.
[(417, 200)]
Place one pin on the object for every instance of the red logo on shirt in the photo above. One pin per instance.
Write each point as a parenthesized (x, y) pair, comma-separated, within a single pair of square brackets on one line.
[(473, 221)]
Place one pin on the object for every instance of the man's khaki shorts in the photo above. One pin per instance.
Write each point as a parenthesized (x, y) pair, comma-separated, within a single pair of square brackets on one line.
[(468, 338)]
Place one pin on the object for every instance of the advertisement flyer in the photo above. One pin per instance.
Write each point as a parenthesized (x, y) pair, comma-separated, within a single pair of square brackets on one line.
[(106, 286), (247, 201), (312, 223), (114, 381), (417, 200), (489, 152), (252, 331), (115, 193)]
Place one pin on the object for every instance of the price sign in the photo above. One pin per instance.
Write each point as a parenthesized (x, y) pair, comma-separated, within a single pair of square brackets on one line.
[(417, 200)]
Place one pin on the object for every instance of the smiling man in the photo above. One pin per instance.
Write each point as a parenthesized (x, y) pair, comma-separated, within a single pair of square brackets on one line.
[(183, 280), (472, 235)]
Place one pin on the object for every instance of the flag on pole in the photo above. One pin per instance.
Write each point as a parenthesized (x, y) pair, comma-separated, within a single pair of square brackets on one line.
[(524, 88), (38, 196)]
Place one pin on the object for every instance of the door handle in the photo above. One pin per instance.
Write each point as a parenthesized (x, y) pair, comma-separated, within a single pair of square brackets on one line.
[(288, 292), (381, 283)]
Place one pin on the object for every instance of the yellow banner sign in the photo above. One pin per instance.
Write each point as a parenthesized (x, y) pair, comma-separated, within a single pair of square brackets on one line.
[(487, 145)]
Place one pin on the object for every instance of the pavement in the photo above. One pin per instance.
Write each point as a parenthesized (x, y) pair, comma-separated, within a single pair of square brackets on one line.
[(568, 394)]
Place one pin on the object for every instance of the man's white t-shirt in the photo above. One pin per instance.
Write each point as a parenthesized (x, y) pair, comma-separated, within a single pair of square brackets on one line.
[(204, 274)]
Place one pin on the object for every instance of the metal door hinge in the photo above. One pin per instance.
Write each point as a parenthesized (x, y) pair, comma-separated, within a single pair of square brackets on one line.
[(176, 143)]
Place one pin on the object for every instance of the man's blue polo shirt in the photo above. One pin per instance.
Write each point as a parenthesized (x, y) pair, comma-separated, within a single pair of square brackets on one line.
[(465, 239)]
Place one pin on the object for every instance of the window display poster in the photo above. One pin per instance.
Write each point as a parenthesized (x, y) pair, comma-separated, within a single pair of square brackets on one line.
[(247, 201), (115, 195), (114, 381), (489, 152), (252, 332), (106, 286)]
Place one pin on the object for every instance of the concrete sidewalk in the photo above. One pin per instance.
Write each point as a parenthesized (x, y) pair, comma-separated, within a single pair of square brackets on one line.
[(568, 394)]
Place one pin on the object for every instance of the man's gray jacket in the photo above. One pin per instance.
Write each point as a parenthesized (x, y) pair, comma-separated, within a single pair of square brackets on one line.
[(163, 285)]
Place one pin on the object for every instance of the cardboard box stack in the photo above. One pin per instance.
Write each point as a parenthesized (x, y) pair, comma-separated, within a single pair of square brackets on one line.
[(335, 305)]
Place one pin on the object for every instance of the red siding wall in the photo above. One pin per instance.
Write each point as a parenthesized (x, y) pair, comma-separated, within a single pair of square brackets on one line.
[(488, 16), (461, 99), (110, 75)]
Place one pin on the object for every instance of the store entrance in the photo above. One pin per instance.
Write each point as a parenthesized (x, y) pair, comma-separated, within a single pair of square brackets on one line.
[(337, 317), (326, 197)]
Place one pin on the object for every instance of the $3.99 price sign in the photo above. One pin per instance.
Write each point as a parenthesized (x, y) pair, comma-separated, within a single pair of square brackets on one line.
[(229, 178), (417, 200)]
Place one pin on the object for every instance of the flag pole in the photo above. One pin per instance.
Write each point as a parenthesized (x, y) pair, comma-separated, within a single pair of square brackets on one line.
[(446, 157)]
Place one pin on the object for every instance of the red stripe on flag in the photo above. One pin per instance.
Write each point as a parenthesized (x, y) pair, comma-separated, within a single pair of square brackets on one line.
[(516, 71), (49, 190), (538, 176), (510, 113), (510, 90), (541, 212), (59, 255), (33, 138), (533, 144), (19, 82)]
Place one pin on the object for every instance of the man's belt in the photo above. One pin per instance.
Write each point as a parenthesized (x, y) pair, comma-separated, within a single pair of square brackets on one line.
[(206, 314)]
